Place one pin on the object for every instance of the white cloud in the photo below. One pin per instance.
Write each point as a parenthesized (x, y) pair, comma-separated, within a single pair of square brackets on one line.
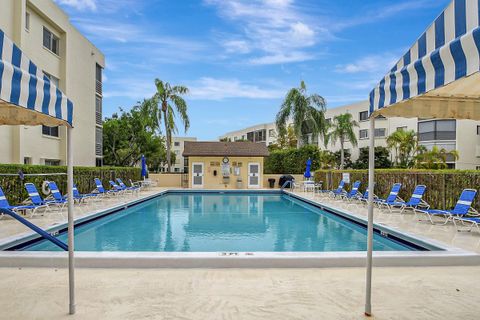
[(369, 64), (281, 58), (269, 29), (80, 5), (218, 89)]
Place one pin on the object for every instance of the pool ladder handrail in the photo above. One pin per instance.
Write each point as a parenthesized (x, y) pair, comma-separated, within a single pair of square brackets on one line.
[(35, 228), (285, 184)]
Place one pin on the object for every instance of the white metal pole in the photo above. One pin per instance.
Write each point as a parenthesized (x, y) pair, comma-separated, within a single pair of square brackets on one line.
[(71, 262), (371, 188)]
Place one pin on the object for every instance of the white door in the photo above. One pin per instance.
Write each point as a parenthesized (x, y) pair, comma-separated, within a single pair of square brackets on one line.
[(254, 175), (197, 175)]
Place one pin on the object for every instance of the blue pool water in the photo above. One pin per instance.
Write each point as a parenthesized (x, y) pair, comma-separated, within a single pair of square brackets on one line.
[(211, 222)]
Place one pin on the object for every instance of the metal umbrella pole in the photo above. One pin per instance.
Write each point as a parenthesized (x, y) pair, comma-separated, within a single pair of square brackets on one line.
[(71, 261), (371, 187)]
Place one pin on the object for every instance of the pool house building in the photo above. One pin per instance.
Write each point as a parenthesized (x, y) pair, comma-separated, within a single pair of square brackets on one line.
[(225, 165)]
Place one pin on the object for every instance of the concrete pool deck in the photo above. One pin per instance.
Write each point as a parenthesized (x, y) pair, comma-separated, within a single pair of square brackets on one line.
[(451, 255), (398, 293)]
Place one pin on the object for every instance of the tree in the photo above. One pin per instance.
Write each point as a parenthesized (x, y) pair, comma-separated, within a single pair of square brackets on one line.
[(286, 139), (306, 111), (341, 130), (129, 135), (327, 159), (382, 159), (168, 99), (347, 161), (292, 160), (405, 145), (435, 158)]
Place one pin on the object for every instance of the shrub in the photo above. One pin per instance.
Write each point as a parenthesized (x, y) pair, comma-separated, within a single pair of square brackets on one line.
[(292, 160), (13, 187)]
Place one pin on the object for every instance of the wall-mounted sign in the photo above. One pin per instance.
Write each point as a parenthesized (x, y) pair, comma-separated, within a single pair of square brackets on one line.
[(346, 177)]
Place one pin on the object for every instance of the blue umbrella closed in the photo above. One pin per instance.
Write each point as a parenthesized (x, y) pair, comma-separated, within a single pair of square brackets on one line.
[(307, 173), (144, 166)]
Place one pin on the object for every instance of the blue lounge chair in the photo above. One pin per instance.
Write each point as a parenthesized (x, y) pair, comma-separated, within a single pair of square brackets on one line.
[(116, 187), (462, 208), (36, 199), (79, 197), (6, 205), (473, 221), (125, 187), (352, 194), (101, 190), (337, 192), (55, 196), (392, 196), (416, 201)]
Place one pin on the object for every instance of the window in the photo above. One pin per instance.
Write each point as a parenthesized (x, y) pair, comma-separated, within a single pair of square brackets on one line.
[(98, 110), (437, 130), (177, 169), (50, 41), (363, 115), (52, 162), (478, 130), (176, 144), (98, 79), (50, 131), (363, 134), (52, 79), (477, 168), (328, 120), (272, 133), (27, 160), (250, 136), (380, 117), (403, 128), (98, 141), (380, 132), (98, 162), (27, 20), (260, 135)]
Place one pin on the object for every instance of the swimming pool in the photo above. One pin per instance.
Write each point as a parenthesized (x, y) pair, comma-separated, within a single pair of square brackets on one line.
[(224, 222)]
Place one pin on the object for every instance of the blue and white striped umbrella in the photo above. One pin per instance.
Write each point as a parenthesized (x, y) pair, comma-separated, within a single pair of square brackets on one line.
[(26, 95), (438, 77)]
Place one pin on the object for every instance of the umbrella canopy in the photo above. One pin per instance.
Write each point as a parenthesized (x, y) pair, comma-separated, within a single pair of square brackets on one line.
[(144, 166), (439, 75), (307, 173), (436, 78), (27, 97)]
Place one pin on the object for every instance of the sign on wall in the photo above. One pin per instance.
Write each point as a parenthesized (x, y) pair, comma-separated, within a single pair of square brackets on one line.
[(346, 177)]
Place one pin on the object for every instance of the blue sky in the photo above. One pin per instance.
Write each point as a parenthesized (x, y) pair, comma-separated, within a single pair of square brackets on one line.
[(240, 57)]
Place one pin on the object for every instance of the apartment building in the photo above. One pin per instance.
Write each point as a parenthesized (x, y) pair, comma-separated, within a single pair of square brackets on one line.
[(460, 135), (178, 145), (44, 33), (265, 132)]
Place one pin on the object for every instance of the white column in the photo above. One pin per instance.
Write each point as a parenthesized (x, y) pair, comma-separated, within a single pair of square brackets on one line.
[(371, 188), (71, 262)]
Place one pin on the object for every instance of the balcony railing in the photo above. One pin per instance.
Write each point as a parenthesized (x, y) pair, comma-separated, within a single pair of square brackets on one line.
[(98, 87)]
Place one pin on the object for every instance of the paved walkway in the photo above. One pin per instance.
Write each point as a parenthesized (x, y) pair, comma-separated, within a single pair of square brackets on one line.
[(408, 222), (277, 294)]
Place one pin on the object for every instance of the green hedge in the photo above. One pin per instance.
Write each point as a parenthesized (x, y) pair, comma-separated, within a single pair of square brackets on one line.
[(83, 177), (292, 160), (443, 186)]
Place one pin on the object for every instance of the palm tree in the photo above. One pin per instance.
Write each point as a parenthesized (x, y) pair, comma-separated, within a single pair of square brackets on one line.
[(435, 158), (306, 111), (341, 130), (169, 99), (405, 145)]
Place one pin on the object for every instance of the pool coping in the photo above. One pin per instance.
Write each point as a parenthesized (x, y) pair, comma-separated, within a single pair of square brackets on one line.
[(446, 256)]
